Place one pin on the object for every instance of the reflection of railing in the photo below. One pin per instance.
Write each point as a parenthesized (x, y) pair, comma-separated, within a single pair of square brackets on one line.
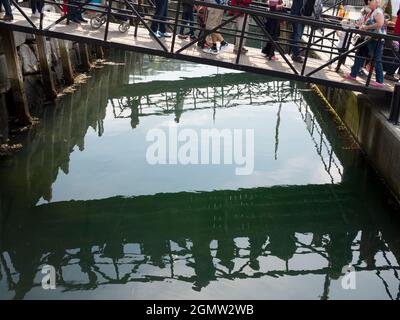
[(320, 140), (228, 96), (190, 99)]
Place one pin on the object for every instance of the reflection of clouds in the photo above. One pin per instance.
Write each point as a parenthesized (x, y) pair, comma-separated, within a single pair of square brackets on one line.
[(299, 169), (188, 70)]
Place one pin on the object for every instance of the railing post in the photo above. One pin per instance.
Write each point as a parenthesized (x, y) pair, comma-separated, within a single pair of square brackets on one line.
[(372, 64), (241, 37), (395, 105), (178, 9), (310, 38), (108, 20)]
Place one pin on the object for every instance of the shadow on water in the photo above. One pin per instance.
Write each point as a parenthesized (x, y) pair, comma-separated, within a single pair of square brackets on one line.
[(209, 244)]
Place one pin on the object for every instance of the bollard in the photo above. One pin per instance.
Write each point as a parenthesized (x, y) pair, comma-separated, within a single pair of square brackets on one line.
[(395, 105)]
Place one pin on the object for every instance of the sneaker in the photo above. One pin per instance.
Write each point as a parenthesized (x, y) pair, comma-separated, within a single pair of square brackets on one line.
[(155, 34), (376, 84), (274, 58), (224, 45), (82, 20), (182, 36), (8, 18), (165, 34), (35, 14), (212, 50), (391, 77), (349, 77), (298, 59)]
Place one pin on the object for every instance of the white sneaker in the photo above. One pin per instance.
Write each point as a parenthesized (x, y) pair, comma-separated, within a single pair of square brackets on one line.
[(211, 50), (36, 14), (224, 47), (155, 34), (166, 34)]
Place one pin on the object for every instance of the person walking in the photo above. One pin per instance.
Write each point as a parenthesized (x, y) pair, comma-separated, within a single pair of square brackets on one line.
[(37, 7), (393, 51), (188, 17), (158, 28), (214, 19), (274, 29), (297, 33), (75, 13), (374, 22), (239, 23), (8, 12)]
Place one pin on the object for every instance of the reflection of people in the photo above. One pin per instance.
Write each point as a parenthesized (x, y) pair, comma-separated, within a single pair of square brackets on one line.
[(203, 263), (134, 105), (180, 99), (282, 245)]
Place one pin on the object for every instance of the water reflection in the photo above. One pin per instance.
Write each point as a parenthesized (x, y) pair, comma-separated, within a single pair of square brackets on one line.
[(264, 242)]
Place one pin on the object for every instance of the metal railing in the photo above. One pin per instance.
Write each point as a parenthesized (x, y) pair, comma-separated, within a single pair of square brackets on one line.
[(140, 14)]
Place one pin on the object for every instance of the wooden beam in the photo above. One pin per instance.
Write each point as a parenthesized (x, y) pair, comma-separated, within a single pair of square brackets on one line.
[(99, 52), (66, 63), (85, 58), (16, 80), (45, 70)]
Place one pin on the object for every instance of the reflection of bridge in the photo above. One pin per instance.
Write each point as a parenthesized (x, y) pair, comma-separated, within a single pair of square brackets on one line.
[(312, 70), (195, 238), (226, 91), (146, 238)]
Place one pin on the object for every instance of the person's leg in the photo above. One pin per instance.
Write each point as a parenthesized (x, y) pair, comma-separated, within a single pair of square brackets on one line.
[(296, 37), (191, 19), (7, 8), (157, 15), (378, 60), (275, 32), (182, 28), (33, 5), (358, 64), (392, 67), (164, 14), (40, 5)]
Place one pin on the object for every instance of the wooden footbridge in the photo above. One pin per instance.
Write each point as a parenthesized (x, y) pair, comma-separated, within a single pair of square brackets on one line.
[(323, 70)]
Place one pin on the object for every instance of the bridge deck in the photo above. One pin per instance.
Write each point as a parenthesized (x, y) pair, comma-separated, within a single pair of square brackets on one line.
[(253, 61)]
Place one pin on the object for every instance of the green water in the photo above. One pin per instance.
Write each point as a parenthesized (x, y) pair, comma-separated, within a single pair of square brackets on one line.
[(81, 196)]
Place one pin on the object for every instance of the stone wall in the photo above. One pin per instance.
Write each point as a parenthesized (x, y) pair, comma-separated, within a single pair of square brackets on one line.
[(366, 118)]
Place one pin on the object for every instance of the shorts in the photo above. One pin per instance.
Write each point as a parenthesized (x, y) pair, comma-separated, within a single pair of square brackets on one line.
[(214, 18)]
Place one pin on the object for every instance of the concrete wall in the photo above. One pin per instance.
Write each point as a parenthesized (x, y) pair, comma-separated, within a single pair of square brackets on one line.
[(366, 118)]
